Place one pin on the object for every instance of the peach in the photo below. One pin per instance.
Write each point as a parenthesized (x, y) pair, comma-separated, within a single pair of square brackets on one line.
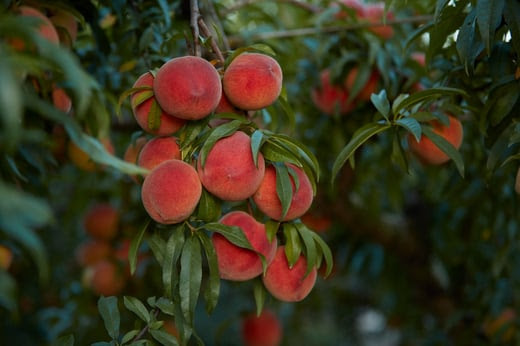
[(262, 330), (61, 100), (92, 251), (419, 57), (427, 151), (82, 160), (355, 5), (6, 257), (266, 197), (188, 87), (158, 150), (171, 192), (45, 28), (368, 89), (170, 328), (236, 263), (101, 221), (107, 278), (316, 221), (252, 81), (374, 13), (229, 172), (66, 25), (132, 151), (288, 284), (330, 98), (168, 123)]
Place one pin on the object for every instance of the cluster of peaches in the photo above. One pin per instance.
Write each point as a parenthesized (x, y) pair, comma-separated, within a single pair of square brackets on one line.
[(187, 89)]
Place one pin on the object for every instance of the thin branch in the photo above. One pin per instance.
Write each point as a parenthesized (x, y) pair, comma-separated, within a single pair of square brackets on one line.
[(194, 17), (217, 22), (298, 3), (324, 30), (205, 31), (145, 328)]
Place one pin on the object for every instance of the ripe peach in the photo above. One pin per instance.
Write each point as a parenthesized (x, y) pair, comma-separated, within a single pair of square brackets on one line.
[(266, 197), (101, 221), (107, 279), (92, 251), (316, 221), (427, 151), (170, 328), (61, 100), (236, 263), (374, 13), (368, 89), (356, 5), (288, 284), (168, 123), (132, 151), (419, 57), (252, 81), (330, 98), (45, 29), (263, 330), (82, 160), (158, 150), (171, 192), (229, 171), (188, 87), (66, 25), (6, 257)]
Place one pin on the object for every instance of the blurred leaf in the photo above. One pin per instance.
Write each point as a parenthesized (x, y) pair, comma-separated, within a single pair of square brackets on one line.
[(10, 106), (209, 207), (172, 252), (439, 7), (129, 336), (212, 290), (512, 18), (360, 136), (143, 96), (271, 228), (489, 16), (284, 187), (293, 245), (309, 249), (446, 147), (8, 291), (65, 340), (109, 311), (398, 154), (499, 148), (259, 293), (165, 305), (325, 250), (163, 337), (468, 45), (426, 95), (412, 126), (501, 102), (134, 247), (257, 139), (190, 278), (137, 307), (217, 133), (20, 213), (381, 103), (157, 245)]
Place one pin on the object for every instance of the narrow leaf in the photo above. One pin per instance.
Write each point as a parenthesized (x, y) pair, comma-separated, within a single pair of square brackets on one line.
[(163, 337), (259, 293), (137, 307), (190, 278), (134, 248), (217, 133), (293, 246), (109, 311), (232, 233), (427, 95), (157, 245), (325, 250), (489, 16), (212, 290), (284, 187), (412, 126), (257, 139), (309, 249), (154, 116), (209, 207), (172, 253), (446, 147), (271, 228)]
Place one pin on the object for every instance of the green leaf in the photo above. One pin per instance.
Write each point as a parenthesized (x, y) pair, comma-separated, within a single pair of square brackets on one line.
[(8, 291), (154, 116), (468, 46), (190, 278), (381, 103), (190, 132), (257, 139), (311, 254), (217, 133), (501, 102), (209, 207), (232, 233), (412, 126), (284, 187), (157, 245), (163, 4), (427, 95), (165, 305), (137, 307), (271, 228), (172, 252), (301, 151), (11, 106), (325, 250), (134, 247), (398, 154), (163, 337), (258, 47), (142, 97), (293, 246), (489, 16), (109, 311), (275, 152), (212, 290), (259, 294), (125, 94), (65, 340), (512, 18), (129, 336), (446, 147), (360, 136)]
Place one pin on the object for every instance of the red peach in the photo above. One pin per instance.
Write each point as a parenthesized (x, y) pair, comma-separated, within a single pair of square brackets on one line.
[(252, 81), (419, 57), (107, 278), (102, 221), (92, 251), (288, 284), (133, 150), (6, 257), (158, 150), (266, 197), (374, 13), (229, 172), (368, 89), (236, 263), (427, 151), (188, 87), (168, 123), (330, 98), (356, 5), (61, 100), (316, 221), (66, 25), (262, 330), (171, 191), (45, 29)]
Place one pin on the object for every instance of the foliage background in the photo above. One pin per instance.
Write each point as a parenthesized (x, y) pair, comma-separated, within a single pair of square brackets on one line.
[(423, 255)]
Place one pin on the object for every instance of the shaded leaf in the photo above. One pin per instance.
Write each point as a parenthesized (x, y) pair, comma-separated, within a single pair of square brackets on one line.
[(412, 126), (257, 139), (427, 95), (271, 228), (284, 187), (172, 252), (468, 46), (512, 18), (293, 245), (134, 247), (259, 294), (209, 207), (489, 16), (212, 290), (381, 103), (137, 307), (309, 249), (163, 337), (8, 291), (446, 147), (190, 278), (65, 340), (219, 132), (325, 250), (109, 311)]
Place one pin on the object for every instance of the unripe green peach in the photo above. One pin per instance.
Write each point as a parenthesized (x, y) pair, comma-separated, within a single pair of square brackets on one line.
[(236, 263)]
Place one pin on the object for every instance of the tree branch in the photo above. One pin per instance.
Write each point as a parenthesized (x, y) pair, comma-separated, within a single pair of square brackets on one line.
[(218, 23), (207, 33), (194, 17)]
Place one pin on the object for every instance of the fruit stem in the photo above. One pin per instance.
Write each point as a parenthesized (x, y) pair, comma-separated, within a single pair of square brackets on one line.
[(194, 17)]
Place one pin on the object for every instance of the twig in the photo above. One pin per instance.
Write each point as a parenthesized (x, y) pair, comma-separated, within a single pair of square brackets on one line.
[(194, 17), (329, 29), (205, 31), (216, 20), (145, 328), (301, 4)]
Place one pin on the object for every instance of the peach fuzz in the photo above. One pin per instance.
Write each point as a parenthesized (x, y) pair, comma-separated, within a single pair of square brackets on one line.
[(188, 87), (236, 263), (6, 257), (45, 28), (168, 123), (106, 279), (171, 192), (288, 284), (427, 151), (101, 221), (374, 13), (252, 81), (82, 160), (263, 330), (266, 197), (330, 98), (229, 172), (92, 251), (368, 89), (158, 150)]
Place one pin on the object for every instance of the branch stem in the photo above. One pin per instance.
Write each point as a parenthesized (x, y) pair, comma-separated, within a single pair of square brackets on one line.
[(194, 17)]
